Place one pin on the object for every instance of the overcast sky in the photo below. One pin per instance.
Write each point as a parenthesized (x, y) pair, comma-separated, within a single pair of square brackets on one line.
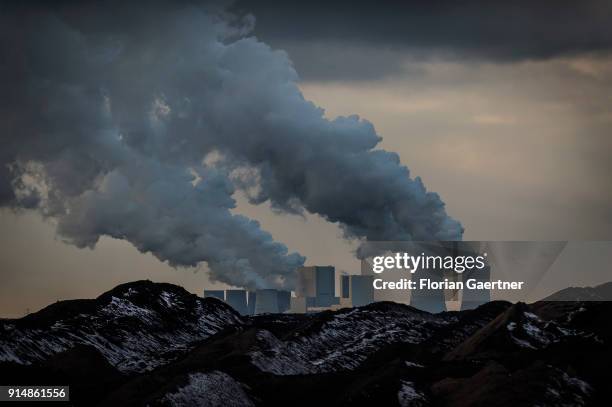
[(504, 110)]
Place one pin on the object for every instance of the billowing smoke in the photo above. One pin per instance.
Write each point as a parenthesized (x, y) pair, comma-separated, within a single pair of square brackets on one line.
[(140, 123)]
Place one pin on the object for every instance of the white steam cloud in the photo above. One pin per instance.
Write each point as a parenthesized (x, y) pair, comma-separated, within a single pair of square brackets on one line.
[(140, 123)]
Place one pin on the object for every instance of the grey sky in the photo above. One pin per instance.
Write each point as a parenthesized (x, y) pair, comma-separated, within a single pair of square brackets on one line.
[(516, 142), (325, 39)]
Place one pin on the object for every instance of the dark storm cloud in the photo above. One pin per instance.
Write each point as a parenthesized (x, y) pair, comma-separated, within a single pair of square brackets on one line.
[(139, 123), (497, 31)]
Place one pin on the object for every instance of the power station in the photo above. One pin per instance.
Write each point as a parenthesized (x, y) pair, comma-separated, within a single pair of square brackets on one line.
[(315, 291), (253, 302)]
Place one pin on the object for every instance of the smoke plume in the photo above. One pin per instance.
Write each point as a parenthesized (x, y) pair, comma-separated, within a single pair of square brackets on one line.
[(140, 123)]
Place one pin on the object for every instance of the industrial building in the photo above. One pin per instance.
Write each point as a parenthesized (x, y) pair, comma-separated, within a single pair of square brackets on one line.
[(267, 301), (251, 300), (283, 300), (237, 299), (315, 291), (254, 302), (317, 284), (358, 289)]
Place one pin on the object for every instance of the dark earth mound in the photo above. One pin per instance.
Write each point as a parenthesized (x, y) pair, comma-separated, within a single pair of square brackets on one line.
[(146, 343)]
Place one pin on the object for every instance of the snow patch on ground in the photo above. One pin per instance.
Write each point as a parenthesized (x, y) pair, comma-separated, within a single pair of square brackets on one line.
[(564, 390), (168, 299), (133, 338), (341, 343), (575, 382), (210, 390), (123, 307), (533, 333), (408, 396)]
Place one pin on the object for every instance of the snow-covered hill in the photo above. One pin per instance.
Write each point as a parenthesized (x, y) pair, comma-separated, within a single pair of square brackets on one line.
[(146, 343), (136, 326)]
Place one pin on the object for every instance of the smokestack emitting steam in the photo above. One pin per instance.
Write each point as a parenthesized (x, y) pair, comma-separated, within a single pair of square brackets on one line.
[(140, 123)]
